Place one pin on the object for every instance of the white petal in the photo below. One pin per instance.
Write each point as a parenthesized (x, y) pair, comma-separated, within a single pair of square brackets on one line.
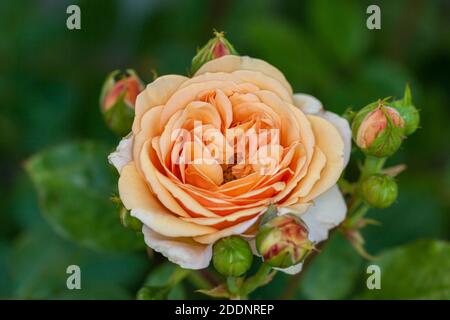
[(292, 269), (123, 154), (307, 103), (187, 254), (327, 212), (343, 127)]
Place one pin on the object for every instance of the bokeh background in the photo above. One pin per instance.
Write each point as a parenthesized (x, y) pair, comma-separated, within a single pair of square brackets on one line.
[(50, 79)]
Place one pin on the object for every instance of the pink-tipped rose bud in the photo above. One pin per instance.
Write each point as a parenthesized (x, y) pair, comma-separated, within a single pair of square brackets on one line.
[(215, 48), (118, 98), (283, 241), (378, 130)]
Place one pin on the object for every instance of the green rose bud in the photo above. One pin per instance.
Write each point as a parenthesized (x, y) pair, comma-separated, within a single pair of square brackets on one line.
[(215, 48), (408, 112), (232, 256), (118, 98), (379, 190), (283, 241), (378, 130)]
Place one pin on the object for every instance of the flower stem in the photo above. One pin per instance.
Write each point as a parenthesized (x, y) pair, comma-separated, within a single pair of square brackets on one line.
[(260, 278), (372, 165)]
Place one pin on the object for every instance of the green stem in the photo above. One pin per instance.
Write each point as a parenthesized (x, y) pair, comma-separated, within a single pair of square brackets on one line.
[(372, 165), (259, 279), (357, 214), (232, 286), (177, 276)]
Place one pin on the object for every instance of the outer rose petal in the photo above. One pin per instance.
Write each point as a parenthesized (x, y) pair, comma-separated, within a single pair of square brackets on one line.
[(186, 253), (136, 197), (344, 130), (311, 105), (231, 63), (327, 212), (123, 154), (331, 144), (155, 94)]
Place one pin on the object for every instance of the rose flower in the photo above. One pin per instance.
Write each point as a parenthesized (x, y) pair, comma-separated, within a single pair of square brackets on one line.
[(207, 155)]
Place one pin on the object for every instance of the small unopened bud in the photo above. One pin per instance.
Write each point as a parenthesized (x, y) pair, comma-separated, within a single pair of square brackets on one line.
[(215, 48), (283, 241), (408, 112), (232, 256), (118, 98), (378, 130), (379, 190)]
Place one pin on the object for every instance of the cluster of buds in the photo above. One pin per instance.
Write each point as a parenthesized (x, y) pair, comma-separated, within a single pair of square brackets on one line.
[(118, 98), (282, 241), (379, 129)]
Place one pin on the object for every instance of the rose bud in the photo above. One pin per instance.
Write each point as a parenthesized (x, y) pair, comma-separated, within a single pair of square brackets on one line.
[(379, 191), (283, 241), (118, 98), (408, 112), (232, 256), (215, 48), (378, 130)]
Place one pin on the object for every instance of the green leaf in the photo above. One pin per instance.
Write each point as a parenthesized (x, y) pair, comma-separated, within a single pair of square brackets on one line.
[(39, 260), (419, 270), (74, 184)]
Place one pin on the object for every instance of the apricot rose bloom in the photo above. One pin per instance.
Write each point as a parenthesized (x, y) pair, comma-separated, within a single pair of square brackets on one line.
[(183, 186)]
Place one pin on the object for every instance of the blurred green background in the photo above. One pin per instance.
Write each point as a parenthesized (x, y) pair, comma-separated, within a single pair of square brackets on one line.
[(50, 79)]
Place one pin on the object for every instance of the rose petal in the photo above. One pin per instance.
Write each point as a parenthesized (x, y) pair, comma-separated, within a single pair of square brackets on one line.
[(186, 253), (123, 154), (307, 103), (330, 143), (343, 127), (136, 197), (230, 63), (155, 94), (311, 105), (327, 211), (236, 229)]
